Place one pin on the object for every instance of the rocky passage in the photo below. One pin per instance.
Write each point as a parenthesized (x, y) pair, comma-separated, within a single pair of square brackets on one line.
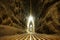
[(14, 14)]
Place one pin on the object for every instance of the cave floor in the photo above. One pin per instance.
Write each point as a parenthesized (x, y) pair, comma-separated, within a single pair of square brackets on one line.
[(31, 37)]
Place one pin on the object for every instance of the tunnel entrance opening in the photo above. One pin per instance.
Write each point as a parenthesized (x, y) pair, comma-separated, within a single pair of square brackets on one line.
[(30, 25)]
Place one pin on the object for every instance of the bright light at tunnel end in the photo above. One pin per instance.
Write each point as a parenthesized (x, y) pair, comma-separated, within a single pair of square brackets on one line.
[(30, 19)]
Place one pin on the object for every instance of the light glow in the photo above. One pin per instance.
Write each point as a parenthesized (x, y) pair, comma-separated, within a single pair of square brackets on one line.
[(30, 25)]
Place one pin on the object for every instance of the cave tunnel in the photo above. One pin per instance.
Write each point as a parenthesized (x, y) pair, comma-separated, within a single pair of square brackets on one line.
[(29, 16)]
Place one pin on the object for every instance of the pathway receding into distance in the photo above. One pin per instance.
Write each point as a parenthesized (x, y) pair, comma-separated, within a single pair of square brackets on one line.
[(31, 37)]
